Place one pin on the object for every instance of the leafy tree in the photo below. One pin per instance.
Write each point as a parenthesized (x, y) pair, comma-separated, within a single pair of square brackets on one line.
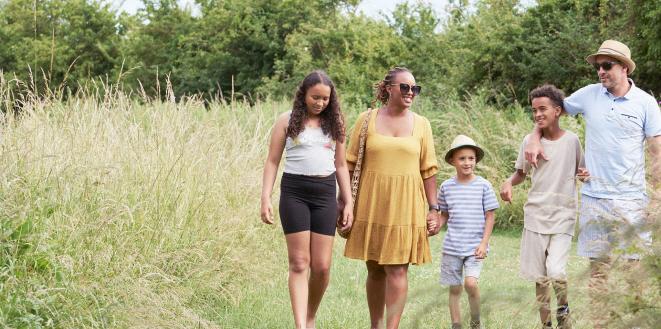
[(423, 50), (156, 44), (60, 41), (355, 50)]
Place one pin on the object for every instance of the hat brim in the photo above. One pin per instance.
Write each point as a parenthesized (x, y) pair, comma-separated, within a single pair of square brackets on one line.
[(479, 153), (622, 59)]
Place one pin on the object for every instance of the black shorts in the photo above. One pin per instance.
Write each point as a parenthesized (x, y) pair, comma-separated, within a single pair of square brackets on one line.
[(308, 203)]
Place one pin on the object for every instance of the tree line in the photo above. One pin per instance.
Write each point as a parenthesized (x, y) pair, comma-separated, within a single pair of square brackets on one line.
[(262, 48)]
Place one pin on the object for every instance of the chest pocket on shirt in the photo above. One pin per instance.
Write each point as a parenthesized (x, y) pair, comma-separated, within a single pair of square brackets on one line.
[(630, 126)]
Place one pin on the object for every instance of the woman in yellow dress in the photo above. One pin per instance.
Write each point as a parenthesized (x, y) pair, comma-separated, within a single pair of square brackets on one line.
[(396, 207)]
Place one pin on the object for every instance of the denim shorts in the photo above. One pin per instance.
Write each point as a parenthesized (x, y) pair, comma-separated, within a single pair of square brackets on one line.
[(609, 224), (455, 268)]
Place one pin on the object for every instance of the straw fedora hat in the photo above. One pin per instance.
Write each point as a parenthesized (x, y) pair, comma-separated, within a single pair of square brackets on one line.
[(463, 141), (617, 50)]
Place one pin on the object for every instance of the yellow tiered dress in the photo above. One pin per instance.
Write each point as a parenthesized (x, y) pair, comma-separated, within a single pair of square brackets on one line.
[(391, 208)]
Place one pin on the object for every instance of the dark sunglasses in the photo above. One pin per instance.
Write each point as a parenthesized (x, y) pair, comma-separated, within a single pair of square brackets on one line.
[(405, 88), (605, 65)]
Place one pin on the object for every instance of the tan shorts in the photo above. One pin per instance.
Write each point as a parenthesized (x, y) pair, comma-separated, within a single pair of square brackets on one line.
[(544, 256)]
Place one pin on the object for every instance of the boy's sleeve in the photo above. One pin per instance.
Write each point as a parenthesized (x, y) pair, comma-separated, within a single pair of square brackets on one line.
[(428, 163), (354, 141), (489, 201), (521, 162), (443, 205)]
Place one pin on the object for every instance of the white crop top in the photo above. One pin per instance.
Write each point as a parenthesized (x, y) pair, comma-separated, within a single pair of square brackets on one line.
[(311, 153)]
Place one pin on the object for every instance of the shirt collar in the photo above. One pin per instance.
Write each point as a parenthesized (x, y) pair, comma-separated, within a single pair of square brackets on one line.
[(626, 96)]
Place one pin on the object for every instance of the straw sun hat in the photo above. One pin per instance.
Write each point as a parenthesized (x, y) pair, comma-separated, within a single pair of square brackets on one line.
[(463, 141), (616, 50)]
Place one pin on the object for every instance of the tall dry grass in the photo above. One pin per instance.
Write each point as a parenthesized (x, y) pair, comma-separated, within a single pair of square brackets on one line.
[(124, 212)]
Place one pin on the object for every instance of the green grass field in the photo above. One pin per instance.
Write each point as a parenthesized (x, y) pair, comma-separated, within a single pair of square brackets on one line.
[(125, 213), (507, 300)]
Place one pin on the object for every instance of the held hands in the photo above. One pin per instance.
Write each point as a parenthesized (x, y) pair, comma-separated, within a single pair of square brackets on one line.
[(433, 223), (266, 212), (506, 191), (481, 251), (583, 174)]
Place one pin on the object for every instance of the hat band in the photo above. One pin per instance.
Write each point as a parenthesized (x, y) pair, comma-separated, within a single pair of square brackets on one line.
[(616, 51)]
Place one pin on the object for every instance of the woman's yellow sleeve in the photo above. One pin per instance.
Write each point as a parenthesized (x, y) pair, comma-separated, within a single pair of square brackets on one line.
[(428, 162), (354, 141)]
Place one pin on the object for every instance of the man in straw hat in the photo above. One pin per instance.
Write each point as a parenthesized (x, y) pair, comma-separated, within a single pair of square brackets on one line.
[(620, 118)]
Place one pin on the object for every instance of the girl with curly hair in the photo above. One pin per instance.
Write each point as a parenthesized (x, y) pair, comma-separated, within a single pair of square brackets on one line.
[(313, 135), (396, 207)]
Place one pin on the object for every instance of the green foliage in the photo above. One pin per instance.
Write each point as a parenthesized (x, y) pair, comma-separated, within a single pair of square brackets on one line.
[(157, 42), (644, 17), (57, 43), (261, 48), (351, 45), (512, 49)]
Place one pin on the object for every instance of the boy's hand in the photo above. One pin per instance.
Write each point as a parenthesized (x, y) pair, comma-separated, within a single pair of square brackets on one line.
[(583, 174), (506, 191), (481, 251)]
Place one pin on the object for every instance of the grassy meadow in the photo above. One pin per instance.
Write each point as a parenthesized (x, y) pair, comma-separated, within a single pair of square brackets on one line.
[(125, 212)]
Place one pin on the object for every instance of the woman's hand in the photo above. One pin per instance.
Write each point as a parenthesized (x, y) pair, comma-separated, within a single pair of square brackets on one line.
[(266, 212), (433, 223)]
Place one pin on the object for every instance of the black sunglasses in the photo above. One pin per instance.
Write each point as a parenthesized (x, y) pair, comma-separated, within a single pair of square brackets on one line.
[(605, 65), (405, 88)]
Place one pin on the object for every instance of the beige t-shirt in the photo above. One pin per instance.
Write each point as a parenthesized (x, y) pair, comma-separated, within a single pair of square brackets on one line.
[(551, 205)]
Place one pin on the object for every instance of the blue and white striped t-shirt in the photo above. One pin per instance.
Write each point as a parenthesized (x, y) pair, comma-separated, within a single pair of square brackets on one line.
[(466, 204)]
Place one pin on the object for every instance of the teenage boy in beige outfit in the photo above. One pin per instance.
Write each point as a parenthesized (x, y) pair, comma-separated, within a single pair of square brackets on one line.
[(550, 212)]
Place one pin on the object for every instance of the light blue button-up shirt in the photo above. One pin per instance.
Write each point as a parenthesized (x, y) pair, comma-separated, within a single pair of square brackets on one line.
[(616, 128)]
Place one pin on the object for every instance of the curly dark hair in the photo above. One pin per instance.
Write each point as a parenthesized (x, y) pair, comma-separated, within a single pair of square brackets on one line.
[(331, 118), (548, 90), (380, 91)]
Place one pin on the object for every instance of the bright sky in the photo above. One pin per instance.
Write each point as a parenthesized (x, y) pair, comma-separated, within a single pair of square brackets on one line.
[(369, 7)]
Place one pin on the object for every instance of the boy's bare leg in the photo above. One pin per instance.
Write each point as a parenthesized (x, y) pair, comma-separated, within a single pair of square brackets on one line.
[(560, 287), (598, 285), (473, 291), (543, 301), (455, 312)]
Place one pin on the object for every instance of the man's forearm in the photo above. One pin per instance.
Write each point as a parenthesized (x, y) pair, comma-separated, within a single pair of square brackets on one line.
[(654, 148)]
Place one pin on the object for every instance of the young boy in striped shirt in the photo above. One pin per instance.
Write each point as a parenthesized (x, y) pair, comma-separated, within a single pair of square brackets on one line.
[(467, 203)]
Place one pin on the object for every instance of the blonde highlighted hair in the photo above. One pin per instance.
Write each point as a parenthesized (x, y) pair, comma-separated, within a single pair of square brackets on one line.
[(380, 92)]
